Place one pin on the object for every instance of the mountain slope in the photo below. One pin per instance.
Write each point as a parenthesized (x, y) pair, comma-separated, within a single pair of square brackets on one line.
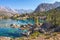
[(6, 11), (54, 15), (46, 6)]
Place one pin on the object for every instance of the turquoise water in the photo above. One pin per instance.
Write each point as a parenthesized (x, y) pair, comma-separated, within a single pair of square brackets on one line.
[(8, 22), (6, 30), (11, 32)]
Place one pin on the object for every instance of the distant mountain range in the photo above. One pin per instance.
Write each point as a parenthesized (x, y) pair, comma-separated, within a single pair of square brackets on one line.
[(22, 11), (46, 6), (6, 11)]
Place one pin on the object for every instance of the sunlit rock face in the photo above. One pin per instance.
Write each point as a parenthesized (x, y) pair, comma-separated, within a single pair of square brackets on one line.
[(6, 11), (46, 6)]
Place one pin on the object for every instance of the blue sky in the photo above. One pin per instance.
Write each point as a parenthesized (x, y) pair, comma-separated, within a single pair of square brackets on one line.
[(24, 4)]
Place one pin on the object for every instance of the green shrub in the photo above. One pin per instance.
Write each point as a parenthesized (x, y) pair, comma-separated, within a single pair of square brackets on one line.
[(34, 35)]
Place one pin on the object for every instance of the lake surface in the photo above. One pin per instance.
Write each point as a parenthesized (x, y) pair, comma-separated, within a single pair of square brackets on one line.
[(6, 30), (10, 32), (6, 23)]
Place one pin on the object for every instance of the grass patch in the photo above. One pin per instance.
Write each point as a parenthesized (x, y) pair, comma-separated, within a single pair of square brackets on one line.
[(34, 35)]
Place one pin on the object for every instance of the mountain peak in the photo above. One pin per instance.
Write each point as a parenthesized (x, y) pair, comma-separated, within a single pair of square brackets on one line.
[(57, 2), (6, 11), (46, 6)]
